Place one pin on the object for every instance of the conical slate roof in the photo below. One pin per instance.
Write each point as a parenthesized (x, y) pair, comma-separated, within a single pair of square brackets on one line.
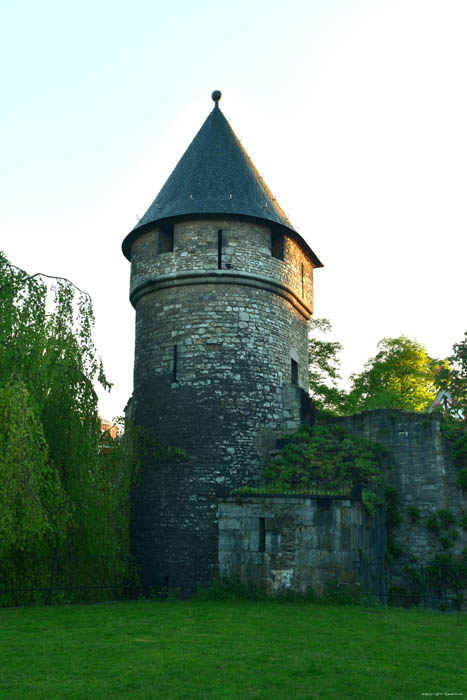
[(215, 176)]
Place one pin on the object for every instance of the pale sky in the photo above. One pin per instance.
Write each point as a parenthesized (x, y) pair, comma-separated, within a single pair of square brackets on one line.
[(354, 112)]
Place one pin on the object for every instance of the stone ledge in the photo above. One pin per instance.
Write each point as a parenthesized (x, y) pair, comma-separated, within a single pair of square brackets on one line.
[(237, 277)]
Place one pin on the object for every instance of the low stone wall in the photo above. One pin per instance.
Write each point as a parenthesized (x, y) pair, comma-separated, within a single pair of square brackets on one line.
[(420, 467), (301, 542)]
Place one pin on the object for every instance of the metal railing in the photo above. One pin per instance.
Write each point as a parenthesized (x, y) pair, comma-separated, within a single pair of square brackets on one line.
[(54, 579), (277, 488), (433, 584)]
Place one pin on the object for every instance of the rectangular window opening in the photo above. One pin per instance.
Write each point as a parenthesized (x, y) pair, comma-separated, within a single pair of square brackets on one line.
[(174, 368), (166, 239), (219, 249), (277, 245), (261, 534), (294, 371), (303, 281)]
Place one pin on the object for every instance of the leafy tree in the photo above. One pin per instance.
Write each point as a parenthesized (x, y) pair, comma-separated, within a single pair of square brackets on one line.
[(324, 366), (401, 375), (57, 500), (452, 377), (31, 494)]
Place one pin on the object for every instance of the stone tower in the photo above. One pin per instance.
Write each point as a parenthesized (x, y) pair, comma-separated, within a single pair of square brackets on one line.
[(222, 286)]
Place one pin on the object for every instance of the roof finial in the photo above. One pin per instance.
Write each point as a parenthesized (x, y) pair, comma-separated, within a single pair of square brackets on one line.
[(216, 96)]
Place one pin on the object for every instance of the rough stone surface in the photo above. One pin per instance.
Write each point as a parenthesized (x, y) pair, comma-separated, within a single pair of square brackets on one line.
[(309, 542), (421, 468), (245, 247), (213, 377), (321, 542)]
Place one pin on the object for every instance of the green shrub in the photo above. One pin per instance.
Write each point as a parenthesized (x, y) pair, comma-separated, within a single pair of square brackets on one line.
[(447, 540), (461, 478), (398, 596), (393, 549), (370, 501), (447, 572), (446, 518), (233, 589), (432, 524), (414, 514), (393, 514), (393, 519), (326, 457)]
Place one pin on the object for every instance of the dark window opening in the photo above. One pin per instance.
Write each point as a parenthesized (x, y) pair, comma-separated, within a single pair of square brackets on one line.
[(294, 371), (219, 249), (303, 282), (261, 534), (166, 239), (174, 368), (277, 245)]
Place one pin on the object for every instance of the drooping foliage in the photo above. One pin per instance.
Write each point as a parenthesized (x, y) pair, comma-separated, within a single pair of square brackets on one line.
[(31, 495), (401, 375), (59, 504)]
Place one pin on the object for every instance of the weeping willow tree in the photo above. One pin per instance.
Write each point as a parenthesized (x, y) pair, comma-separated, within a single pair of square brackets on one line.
[(63, 503)]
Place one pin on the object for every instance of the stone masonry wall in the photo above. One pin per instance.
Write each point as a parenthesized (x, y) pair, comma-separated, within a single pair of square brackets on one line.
[(302, 542), (232, 371), (246, 247), (213, 376), (420, 467)]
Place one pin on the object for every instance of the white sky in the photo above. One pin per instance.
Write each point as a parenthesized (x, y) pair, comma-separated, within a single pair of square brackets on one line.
[(354, 111)]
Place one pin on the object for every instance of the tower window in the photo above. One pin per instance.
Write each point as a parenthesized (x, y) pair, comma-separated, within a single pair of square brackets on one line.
[(174, 366), (303, 282), (277, 245), (294, 371), (261, 534), (166, 239), (219, 249)]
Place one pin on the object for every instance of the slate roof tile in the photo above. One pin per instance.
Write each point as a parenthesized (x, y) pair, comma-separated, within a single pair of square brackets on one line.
[(215, 176)]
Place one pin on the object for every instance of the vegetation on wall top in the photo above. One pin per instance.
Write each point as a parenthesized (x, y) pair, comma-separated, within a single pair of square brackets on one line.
[(327, 457)]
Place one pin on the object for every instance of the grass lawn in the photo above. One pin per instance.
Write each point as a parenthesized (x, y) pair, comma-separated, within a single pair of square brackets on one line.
[(230, 651)]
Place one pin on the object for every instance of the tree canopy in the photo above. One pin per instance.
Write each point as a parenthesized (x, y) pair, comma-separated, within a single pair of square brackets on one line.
[(324, 368), (57, 499), (401, 375), (452, 378)]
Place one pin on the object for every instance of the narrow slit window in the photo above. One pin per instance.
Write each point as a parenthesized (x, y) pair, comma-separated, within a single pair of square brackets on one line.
[(303, 281), (166, 239), (219, 249), (261, 534), (277, 245), (174, 366), (294, 371)]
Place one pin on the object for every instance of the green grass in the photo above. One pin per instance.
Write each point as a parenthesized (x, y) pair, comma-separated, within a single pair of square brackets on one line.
[(229, 651)]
